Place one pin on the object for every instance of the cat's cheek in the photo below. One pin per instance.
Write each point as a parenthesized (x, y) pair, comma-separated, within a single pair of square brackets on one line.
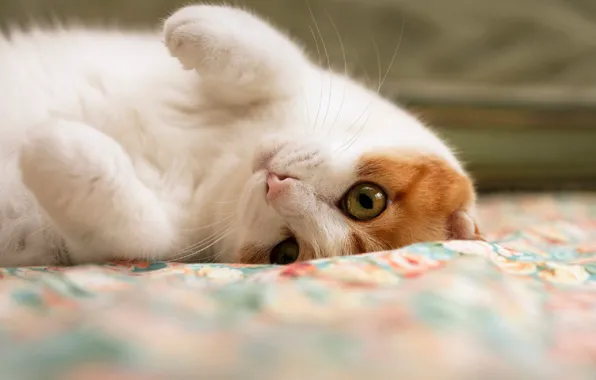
[(252, 254), (463, 226)]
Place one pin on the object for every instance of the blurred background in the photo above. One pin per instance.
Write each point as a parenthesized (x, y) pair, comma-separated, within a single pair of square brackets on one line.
[(511, 84)]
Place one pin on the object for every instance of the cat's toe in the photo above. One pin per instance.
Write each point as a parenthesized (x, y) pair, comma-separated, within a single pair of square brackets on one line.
[(207, 35), (192, 32), (183, 40)]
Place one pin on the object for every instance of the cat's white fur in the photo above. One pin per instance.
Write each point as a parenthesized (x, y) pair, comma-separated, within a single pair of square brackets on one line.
[(110, 149)]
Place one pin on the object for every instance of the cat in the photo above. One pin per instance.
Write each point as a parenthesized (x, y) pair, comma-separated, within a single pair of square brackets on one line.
[(219, 141)]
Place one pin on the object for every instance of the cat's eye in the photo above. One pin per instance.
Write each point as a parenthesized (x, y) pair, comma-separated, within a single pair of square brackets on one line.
[(364, 201), (285, 252)]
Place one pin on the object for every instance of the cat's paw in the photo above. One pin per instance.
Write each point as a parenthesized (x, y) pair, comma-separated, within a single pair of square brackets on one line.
[(62, 162), (86, 183), (240, 58), (206, 34)]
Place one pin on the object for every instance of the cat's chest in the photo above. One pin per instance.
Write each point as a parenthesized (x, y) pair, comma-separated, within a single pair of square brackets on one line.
[(177, 156), (179, 145)]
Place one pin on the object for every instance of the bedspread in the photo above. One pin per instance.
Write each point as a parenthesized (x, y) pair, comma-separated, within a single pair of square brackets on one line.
[(521, 306)]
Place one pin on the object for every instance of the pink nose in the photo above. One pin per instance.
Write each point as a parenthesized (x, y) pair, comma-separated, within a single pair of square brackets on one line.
[(277, 185)]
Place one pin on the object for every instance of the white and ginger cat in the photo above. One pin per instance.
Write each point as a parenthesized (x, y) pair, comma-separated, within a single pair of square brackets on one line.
[(226, 144)]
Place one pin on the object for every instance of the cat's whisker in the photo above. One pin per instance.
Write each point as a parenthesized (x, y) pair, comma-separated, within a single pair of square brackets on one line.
[(379, 65), (315, 39), (198, 250), (343, 52), (224, 219), (312, 16), (213, 258), (200, 242), (349, 142), (188, 255), (382, 81), (357, 135), (227, 222), (394, 56), (364, 112), (354, 137), (306, 110)]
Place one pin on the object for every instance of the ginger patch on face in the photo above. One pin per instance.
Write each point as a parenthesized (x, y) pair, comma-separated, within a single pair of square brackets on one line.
[(427, 200)]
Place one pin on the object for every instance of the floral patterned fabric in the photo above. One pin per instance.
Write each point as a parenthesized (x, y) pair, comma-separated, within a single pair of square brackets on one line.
[(522, 306)]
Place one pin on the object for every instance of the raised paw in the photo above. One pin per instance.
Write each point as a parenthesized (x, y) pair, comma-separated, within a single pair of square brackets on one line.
[(204, 34), (240, 58)]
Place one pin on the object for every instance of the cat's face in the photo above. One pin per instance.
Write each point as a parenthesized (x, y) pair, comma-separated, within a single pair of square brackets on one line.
[(310, 198)]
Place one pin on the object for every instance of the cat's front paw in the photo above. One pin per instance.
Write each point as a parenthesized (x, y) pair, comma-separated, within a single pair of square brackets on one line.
[(86, 184), (240, 58), (63, 162), (202, 34)]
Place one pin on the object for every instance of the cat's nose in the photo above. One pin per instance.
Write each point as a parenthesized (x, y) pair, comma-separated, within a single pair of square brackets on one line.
[(277, 185)]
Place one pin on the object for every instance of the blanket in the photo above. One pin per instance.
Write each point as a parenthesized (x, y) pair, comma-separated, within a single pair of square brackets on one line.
[(521, 306)]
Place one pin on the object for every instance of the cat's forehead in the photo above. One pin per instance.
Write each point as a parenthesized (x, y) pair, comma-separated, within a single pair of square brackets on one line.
[(382, 161), (404, 168), (388, 128), (389, 152)]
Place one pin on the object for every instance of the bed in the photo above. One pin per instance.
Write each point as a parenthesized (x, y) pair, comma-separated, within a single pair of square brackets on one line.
[(521, 306)]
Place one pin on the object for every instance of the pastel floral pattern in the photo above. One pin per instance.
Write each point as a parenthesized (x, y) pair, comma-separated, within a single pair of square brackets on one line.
[(520, 306)]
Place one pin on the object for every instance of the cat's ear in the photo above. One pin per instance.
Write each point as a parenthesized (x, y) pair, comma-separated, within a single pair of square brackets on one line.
[(462, 225)]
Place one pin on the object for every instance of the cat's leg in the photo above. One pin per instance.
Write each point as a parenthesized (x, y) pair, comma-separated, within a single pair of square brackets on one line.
[(241, 59), (86, 184)]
